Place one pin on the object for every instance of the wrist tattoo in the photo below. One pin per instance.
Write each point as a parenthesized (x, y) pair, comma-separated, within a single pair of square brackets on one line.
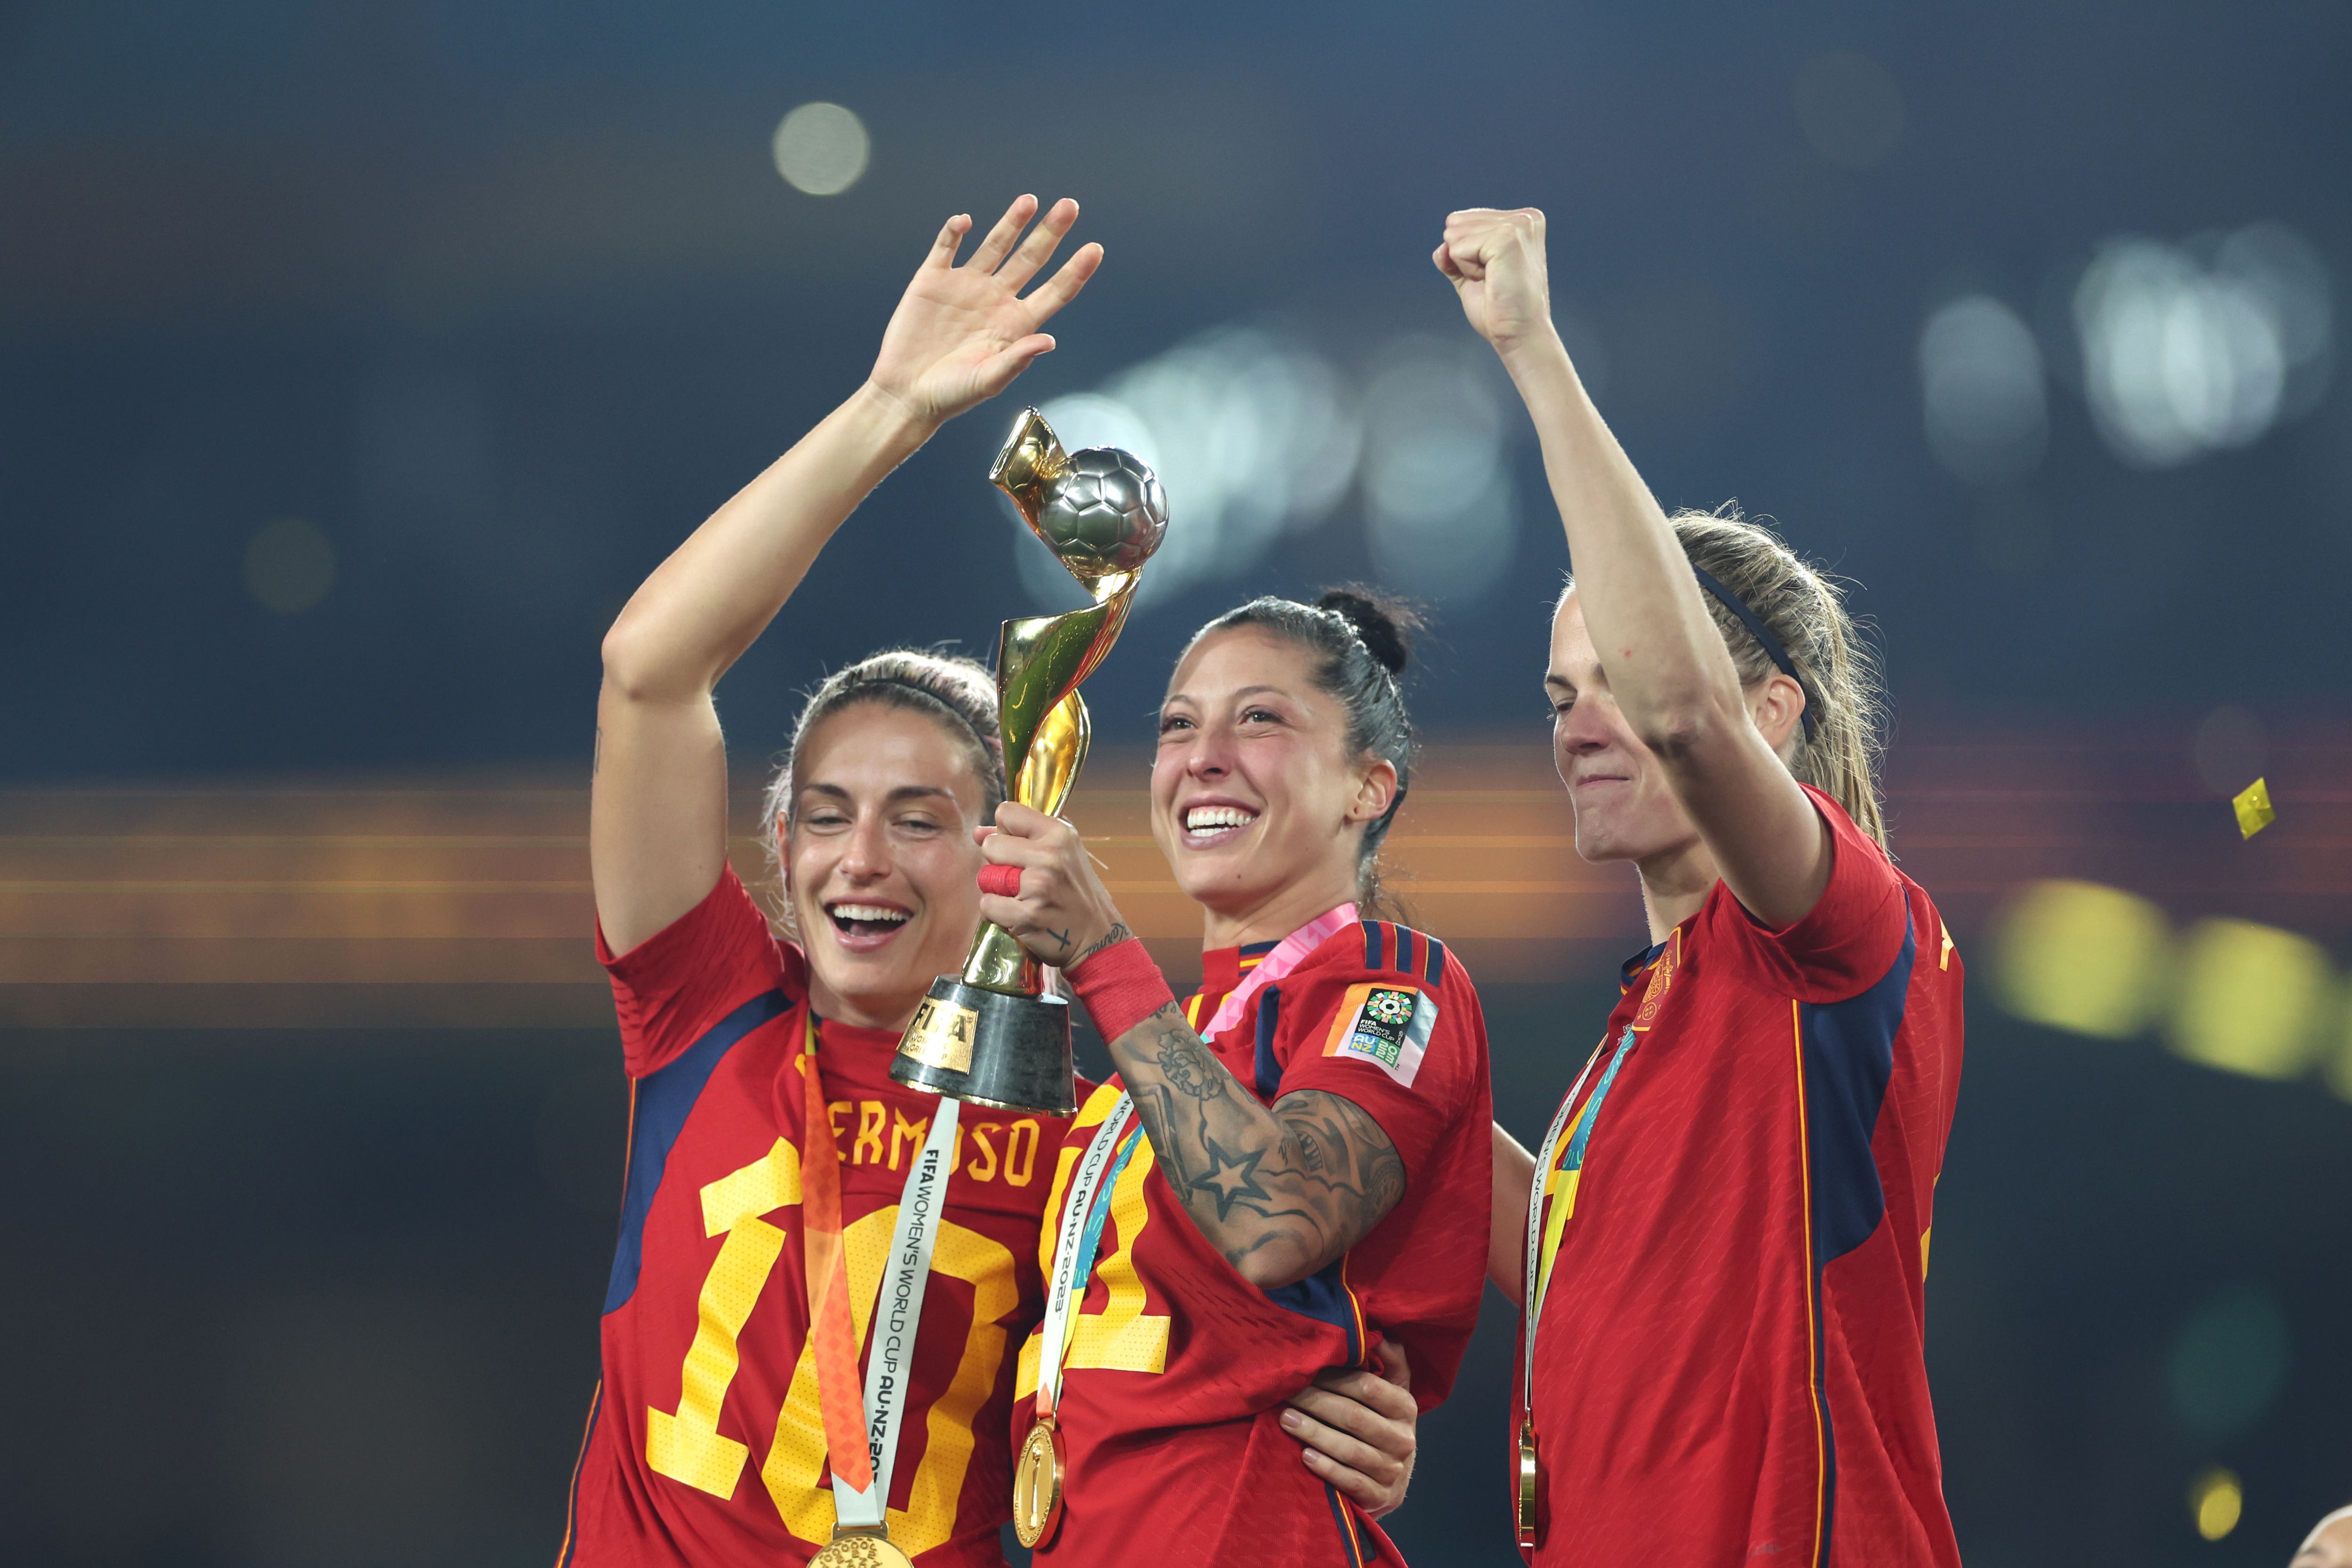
[(1117, 933)]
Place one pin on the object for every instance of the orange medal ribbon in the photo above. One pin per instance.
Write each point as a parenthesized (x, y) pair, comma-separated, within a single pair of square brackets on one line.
[(832, 1342)]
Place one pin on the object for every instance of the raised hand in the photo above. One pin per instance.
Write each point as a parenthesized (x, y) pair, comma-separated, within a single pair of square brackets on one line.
[(1495, 260), (963, 332)]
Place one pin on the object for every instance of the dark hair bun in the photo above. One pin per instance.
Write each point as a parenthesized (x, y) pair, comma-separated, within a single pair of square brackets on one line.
[(1386, 624)]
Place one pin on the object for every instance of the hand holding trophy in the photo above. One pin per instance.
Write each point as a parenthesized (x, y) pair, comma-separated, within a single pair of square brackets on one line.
[(991, 1035)]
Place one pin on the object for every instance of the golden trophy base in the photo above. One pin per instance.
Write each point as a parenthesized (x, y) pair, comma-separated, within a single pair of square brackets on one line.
[(1027, 1066)]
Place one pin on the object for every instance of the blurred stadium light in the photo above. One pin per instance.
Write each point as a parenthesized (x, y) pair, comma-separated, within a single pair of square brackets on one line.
[(2197, 348), (1256, 436), (2227, 1363), (2082, 957), (1440, 512), (821, 149), (1253, 435), (1980, 380), (2215, 1502), (2250, 999), (2231, 750), (290, 565), (2235, 995)]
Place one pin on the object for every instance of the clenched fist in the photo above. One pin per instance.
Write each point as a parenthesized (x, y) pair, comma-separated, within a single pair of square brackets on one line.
[(1053, 900), (1495, 260)]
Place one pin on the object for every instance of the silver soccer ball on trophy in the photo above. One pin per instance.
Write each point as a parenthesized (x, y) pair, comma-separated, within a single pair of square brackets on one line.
[(1104, 512)]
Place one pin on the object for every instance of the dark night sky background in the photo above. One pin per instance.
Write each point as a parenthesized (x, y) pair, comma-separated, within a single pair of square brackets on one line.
[(504, 299)]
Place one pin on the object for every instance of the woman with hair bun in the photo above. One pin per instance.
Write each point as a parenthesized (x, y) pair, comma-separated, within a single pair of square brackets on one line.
[(1722, 1268), (1293, 1163), (773, 1166)]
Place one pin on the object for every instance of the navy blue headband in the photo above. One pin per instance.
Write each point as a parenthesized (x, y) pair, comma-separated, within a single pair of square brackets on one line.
[(1770, 643)]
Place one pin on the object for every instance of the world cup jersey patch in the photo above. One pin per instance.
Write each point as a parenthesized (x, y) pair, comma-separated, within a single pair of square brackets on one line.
[(1386, 1025)]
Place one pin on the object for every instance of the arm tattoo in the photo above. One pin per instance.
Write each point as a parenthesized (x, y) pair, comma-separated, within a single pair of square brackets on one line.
[(1110, 938), (1281, 1192), (1190, 1067)]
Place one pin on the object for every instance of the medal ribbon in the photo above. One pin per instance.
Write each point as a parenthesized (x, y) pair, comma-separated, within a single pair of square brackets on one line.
[(1079, 1237), (1543, 1239), (1287, 957), (862, 1462)]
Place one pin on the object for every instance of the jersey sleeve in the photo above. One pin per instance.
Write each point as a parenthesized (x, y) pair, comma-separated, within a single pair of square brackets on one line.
[(1409, 1052), (1853, 936), (671, 988)]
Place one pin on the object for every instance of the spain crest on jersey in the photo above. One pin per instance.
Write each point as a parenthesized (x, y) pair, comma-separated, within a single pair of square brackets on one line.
[(1385, 1024)]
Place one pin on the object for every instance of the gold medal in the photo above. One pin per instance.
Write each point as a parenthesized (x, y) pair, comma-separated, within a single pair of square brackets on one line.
[(856, 1546), (1531, 1473), (1037, 1483)]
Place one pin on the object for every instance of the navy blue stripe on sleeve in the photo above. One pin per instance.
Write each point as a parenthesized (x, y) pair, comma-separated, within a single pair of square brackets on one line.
[(663, 1102), (1269, 1072), (1375, 950), (1437, 972)]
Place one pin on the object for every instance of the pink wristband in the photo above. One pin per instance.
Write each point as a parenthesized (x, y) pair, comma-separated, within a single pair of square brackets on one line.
[(1121, 986)]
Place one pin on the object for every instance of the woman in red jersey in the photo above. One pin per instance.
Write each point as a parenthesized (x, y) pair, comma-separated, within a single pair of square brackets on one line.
[(1723, 1269), (1298, 1152), (729, 1413)]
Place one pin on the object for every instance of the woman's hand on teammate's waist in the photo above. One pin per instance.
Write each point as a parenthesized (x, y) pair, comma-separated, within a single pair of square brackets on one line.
[(1063, 912), (1358, 1429), (961, 333)]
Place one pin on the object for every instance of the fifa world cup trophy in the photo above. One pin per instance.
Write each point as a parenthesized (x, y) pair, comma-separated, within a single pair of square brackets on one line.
[(991, 1035)]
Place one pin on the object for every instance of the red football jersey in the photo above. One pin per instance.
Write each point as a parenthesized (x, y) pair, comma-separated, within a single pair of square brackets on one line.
[(1178, 1367), (705, 1445), (1729, 1367)]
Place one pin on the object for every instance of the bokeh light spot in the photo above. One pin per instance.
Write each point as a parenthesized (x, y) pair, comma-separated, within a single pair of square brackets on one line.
[(2076, 956), (2227, 1363), (1253, 435), (1849, 109), (2197, 348), (821, 149), (2215, 1501), (1981, 384), (2251, 1000), (2231, 748), (290, 565), (1441, 514)]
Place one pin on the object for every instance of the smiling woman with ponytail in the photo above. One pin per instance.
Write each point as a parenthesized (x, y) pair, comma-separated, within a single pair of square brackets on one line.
[(1290, 1178), (1721, 1247)]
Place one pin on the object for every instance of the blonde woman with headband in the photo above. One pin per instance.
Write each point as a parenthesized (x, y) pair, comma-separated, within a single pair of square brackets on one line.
[(1721, 1246)]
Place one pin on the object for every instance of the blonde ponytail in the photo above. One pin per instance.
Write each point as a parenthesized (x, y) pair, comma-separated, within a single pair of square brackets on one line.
[(1838, 670)]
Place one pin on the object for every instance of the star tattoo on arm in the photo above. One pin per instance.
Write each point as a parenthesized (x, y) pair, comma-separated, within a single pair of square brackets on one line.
[(1227, 1179), (1280, 1191)]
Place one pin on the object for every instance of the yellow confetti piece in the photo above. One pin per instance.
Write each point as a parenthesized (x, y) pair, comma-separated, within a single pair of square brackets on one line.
[(2253, 807)]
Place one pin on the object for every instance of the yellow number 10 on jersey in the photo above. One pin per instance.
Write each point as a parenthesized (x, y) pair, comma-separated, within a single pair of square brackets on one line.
[(685, 1444)]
